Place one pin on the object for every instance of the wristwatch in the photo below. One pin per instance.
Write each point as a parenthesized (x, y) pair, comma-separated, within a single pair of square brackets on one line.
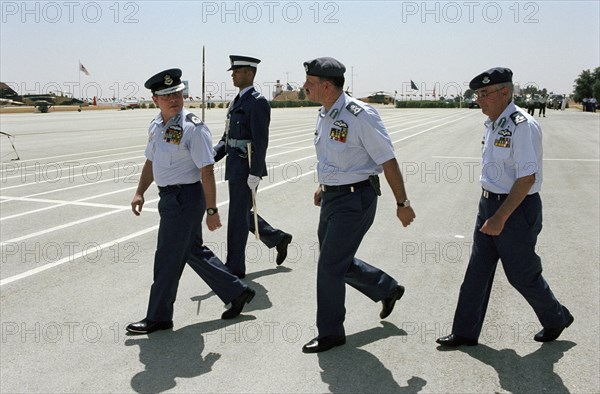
[(404, 204), (211, 211)]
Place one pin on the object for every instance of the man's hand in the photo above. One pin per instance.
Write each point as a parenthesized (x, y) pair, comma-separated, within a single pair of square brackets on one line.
[(493, 226), (317, 197), (213, 222), (136, 204), (253, 182), (406, 215)]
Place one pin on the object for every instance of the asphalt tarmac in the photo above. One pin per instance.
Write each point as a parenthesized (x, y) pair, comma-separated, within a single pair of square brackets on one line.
[(77, 267)]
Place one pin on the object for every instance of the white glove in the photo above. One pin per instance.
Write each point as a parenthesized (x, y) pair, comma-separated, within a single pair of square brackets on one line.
[(253, 182)]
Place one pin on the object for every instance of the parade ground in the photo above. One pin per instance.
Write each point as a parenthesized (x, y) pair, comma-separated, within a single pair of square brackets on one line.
[(77, 266)]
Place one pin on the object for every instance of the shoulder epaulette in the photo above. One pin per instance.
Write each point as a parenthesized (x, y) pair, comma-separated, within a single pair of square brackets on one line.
[(354, 108), (517, 117), (194, 119)]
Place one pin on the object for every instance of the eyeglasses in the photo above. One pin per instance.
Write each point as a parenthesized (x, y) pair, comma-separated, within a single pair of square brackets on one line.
[(484, 95)]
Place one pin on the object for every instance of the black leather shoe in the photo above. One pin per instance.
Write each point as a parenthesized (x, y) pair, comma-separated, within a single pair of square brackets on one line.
[(322, 344), (147, 326), (550, 334), (282, 248), (390, 302), (238, 304), (454, 340)]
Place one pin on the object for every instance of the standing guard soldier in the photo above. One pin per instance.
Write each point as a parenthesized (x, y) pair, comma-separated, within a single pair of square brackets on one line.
[(353, 148), (509, 218), (248, 119), (180, 160)]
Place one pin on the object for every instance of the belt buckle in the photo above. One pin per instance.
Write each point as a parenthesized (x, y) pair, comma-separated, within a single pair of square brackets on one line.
[(486, 194), (323, 188), (351, 189)]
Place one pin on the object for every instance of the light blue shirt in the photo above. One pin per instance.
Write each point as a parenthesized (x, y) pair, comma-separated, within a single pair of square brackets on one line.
[(351, 142), (512, 149), (178, 149)]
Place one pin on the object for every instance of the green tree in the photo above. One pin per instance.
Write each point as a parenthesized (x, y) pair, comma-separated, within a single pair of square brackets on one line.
[(587, 85)]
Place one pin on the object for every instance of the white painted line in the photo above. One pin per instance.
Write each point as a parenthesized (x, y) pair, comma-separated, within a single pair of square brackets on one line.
[(74, 257)]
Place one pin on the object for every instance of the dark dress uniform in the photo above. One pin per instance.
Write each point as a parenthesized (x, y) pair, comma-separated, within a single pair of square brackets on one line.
[(248, 119), (512, 149)]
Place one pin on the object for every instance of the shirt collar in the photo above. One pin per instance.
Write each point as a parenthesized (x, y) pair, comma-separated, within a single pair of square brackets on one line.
[(509, 110), (243, 91), (335, 109)]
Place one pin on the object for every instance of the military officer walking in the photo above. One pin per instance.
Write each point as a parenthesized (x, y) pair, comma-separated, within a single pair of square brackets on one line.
[(248, 119), (179, 158), (353, 148), (509, 218)]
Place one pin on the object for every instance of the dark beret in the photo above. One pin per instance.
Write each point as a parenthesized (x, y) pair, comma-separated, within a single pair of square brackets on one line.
[(490, 77), (324, 67), (165, 82), (242, 61)]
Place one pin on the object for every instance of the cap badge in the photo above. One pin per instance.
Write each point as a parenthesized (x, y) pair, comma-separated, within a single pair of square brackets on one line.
[(168, 80), (486, 80), (306, 68)]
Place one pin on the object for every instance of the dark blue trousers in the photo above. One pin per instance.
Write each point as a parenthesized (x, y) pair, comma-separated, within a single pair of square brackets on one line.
[(515, 247), (241, 221), (344, 220), (180, 241)]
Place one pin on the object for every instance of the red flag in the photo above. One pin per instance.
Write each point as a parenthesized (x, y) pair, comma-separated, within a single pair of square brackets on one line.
[(83, 69)]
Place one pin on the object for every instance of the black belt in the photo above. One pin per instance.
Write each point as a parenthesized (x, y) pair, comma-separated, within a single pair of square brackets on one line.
[(345, 188), (493, 196), (171, 188)]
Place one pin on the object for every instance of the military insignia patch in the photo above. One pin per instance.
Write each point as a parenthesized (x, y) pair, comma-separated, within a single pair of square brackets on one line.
[(194, 119), (173, 134), (505, 133), (518, 117), (354, 108), (340, 134), (502, 142), (168, 80), (486, 80)]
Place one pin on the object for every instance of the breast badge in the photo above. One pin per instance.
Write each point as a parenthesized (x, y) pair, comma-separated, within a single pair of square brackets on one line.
[(340, 134), (173, 134)]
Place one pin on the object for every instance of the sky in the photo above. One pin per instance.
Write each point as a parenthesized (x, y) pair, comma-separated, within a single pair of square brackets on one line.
[(384, 45)]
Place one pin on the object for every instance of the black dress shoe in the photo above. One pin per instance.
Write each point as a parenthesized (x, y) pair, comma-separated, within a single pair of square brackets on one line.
[(238, 304), (550, 334), (147, 326), (390, 302), (322, 344), (282, 248), (454, 340)]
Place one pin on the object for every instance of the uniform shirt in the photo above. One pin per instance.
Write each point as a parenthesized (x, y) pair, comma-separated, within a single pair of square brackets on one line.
[(512, 149), (351, 142), (178, 149)]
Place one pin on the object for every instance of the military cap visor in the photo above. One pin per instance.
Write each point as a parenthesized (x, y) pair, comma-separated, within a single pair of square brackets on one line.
[(491, 77), (324, 67), (165, 82), (242, 61)]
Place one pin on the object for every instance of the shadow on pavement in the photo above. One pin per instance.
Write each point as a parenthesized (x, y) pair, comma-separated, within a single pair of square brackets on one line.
[(348, 369), (533, 373), (168, 355)]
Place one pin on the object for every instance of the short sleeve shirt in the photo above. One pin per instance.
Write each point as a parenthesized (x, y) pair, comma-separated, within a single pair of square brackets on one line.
[(178, 149), (351, 142), (512, 149)]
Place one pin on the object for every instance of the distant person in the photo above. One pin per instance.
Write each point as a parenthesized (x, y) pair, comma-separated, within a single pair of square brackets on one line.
[(509, 218), (563, 105), (179, 158), (248, 119), (531, 106), (209, 102), (353, 147), (543, 101)]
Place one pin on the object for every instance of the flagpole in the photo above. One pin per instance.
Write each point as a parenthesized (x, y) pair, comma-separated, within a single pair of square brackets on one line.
[(203, 82), (79, 76)]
